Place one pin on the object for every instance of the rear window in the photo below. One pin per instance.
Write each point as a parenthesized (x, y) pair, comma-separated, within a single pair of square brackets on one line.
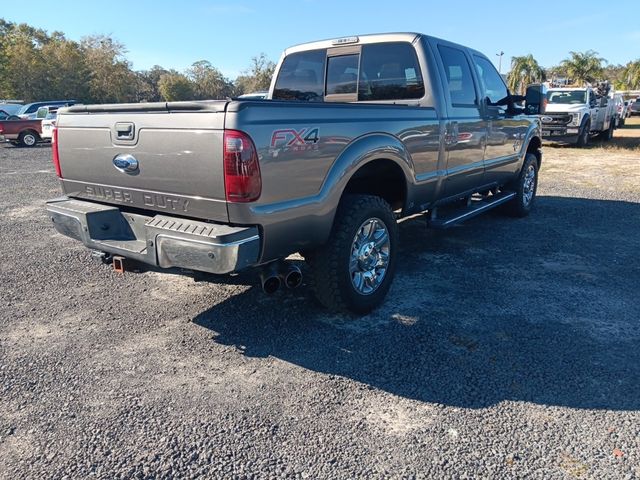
[(301, 77), (389, 71), (342, 74)]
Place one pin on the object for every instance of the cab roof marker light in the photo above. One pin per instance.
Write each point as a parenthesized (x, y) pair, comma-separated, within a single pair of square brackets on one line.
[(345, 40)]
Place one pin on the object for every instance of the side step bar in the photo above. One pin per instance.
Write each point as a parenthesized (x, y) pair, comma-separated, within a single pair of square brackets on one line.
[(475, 207)]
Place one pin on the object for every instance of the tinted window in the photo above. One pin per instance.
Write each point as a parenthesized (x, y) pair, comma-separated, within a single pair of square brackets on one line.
[(492, 83), (459, 78), (389, 71), (342, 74), (301, 77)]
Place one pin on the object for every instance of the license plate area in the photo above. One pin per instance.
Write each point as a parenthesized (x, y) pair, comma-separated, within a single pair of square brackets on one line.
[(117, 229), (552, 133)]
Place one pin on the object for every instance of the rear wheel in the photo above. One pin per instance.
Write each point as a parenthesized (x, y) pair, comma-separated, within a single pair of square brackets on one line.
[(525, 187), (608, 133), (354, 270), (28, 139)]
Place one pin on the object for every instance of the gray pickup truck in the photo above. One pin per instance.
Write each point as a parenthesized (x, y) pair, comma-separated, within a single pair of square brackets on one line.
[(355, 134)]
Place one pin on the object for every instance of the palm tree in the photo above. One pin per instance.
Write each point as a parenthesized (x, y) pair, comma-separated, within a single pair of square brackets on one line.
[(583, 67), (631, 75), (524, 71)]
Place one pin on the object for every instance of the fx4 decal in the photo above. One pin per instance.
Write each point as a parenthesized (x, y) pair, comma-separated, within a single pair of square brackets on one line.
[(296, 140)]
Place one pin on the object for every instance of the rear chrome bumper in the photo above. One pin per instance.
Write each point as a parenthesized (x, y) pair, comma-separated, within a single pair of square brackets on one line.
[(158, 240)]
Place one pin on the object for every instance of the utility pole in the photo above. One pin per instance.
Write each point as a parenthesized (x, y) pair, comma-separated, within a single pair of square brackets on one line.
[(499, 55)]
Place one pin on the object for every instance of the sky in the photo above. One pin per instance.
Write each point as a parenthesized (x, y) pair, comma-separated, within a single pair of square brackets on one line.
[(176, 33)]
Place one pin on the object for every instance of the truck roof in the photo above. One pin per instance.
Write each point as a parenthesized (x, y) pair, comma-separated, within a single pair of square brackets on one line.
[(369, 38), (356, 39), (569, 89)]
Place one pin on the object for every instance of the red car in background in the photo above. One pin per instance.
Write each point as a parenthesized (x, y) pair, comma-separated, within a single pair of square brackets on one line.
[(24, 133)]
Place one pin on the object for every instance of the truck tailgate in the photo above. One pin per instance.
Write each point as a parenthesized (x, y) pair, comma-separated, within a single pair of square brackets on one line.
[(177, 148)]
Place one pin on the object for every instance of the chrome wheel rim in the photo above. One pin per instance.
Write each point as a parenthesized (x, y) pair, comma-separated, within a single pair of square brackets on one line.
[(369, 258), (529, 185), (29, 140)]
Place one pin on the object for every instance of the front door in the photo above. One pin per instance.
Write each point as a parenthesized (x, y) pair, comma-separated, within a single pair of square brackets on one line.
[(505, 132)]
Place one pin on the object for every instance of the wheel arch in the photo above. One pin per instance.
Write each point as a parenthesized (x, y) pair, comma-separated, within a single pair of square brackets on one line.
[(30, 130), (375, 164), (381, 177), (535, 146)]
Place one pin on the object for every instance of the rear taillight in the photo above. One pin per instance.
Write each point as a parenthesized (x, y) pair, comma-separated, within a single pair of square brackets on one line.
[(54, 152), (242, 181)]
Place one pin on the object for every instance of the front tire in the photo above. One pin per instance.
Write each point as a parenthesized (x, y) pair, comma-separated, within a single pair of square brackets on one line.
[(354, 269), (583, 137), (525, 186)]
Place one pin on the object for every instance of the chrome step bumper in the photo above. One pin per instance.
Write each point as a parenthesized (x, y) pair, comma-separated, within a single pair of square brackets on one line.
[(158, 240)]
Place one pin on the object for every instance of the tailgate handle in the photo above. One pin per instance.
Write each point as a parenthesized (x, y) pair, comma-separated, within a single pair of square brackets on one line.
[(125, 130)]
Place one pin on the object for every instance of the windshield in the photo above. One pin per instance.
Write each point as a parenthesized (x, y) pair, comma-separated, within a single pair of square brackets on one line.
[(29, 108), (567, 97)]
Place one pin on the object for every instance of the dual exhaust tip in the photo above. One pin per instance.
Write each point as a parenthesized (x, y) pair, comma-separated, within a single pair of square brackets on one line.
[(275, 275)]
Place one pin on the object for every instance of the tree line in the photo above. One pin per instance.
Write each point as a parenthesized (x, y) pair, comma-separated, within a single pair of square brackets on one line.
[(37, 65), (578, 68)]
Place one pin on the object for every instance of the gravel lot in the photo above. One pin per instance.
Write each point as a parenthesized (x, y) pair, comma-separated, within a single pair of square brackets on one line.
[(506, 349)]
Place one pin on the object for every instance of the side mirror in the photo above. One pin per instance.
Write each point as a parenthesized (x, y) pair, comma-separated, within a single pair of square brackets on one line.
[(535, 100)]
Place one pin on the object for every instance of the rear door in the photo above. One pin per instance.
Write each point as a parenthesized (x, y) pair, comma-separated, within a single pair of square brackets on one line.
[(505, 131), (465, 129)]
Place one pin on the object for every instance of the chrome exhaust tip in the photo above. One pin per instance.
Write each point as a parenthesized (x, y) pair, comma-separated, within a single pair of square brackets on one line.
[(292, 276), (270, 280), (271, 284)]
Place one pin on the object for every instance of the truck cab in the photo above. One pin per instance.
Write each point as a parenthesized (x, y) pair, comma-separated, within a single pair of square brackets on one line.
[(575, 115)]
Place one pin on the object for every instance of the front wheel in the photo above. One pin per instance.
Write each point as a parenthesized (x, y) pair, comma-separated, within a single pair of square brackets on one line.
[(354, 270), (583, 137), (525, 187)]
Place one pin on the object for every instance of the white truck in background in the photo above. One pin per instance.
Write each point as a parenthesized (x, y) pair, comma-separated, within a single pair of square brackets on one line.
[(575, 115)]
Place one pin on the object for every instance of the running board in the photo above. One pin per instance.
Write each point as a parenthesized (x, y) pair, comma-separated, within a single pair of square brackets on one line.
[(475, 207)]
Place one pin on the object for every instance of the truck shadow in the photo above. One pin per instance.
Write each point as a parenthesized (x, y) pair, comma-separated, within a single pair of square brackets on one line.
[(541, 310)]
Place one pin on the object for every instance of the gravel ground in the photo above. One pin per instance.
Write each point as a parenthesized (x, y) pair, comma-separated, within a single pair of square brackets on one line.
[(506, 349)]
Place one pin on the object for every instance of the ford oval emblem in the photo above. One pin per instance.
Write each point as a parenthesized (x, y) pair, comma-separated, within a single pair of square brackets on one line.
[(126, 163), (546, 119)]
